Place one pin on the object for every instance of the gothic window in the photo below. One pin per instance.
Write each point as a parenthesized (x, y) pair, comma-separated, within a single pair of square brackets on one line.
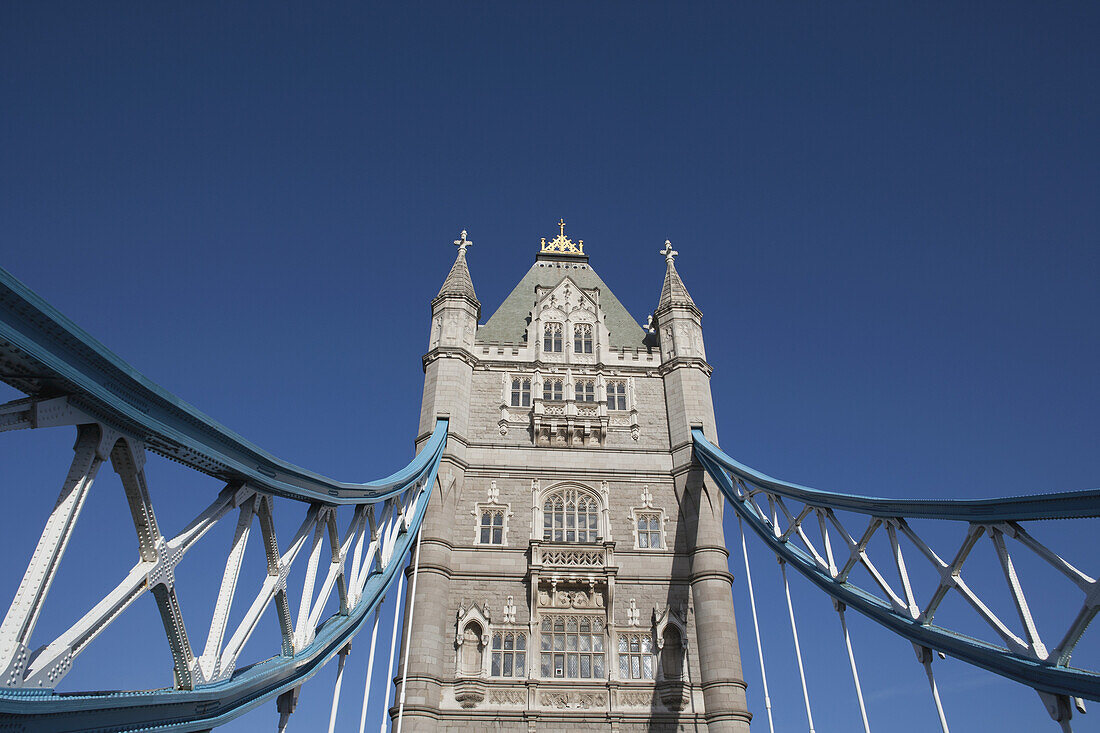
[(616, 395), (552, 389), (521, 392), (636, 656), (570, 515), (586, 390), (649, 531), (572, 647), (582, 338), (492, 526), (552, 338), (509, 654)]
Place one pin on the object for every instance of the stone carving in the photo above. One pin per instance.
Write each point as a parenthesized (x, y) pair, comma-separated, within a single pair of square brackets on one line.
[(470, 693), (632, 613), (573, 700), (562, 598), (637, 699), (574, 558), (509, 611), (493, 492), (508, 697)]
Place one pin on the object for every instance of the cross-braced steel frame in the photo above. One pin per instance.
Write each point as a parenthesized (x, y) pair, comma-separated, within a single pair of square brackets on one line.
[(350, 558), (783, 515)]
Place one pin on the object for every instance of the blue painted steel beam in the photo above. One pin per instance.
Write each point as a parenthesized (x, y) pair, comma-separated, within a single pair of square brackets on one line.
[(46, 355), (1062, 505), (49, 356), (1036, 674), (211, 705)]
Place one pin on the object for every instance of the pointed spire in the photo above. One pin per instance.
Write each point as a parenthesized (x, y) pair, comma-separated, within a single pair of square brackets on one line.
[(458, 280), (673, 292)]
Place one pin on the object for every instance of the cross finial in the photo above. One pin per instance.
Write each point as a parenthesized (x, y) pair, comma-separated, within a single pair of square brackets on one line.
[(561, 226), (668, 252), (462, 243)]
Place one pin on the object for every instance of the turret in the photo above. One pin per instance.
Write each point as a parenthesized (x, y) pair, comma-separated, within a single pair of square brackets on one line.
[(448, 376), (686, 376), (678, 319)]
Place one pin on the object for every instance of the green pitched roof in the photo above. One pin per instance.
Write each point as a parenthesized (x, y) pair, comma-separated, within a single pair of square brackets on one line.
[(509, 323)]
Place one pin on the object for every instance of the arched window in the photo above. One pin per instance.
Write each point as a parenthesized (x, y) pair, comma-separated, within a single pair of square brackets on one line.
[(586, 390), (616, 395), (582, 338), (509, 654), (572, 647), (551, 338), (492, 527), (649, 531), (570, 515), (636, 656), (521, 392), (552, 389)]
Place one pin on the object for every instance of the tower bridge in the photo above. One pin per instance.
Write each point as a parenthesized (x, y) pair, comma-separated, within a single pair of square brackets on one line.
[(560, 532)]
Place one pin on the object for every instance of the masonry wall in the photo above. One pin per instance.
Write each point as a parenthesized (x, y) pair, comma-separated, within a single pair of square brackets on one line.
[(496, 463)]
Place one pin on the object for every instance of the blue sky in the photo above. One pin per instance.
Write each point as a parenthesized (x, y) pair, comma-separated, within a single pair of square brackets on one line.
[(888, 216)]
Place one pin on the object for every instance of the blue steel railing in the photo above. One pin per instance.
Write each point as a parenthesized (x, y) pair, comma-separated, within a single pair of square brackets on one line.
[(745, 488), (46, 356)]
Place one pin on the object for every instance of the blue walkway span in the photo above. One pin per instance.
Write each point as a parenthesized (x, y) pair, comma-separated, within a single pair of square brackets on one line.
[(53, 361)]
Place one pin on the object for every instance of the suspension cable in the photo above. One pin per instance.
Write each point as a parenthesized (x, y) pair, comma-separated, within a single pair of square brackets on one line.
[(336, 692), (797, 649), (393, 647), (840, 608), (756, 626), (924, 654), (370, 669), (408, 635)]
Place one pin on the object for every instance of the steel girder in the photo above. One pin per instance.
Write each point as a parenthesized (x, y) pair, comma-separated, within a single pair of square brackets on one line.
[(72, 379), (762, 502)]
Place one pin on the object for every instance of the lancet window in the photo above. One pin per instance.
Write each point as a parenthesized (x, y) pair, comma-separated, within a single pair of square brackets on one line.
[(509, 654), (552, 338), (616, 395), (570, 515), (649, 531), (492, 527), (572, 647), (521, 392), (586, 390), (636, 656), (582, 338), (552, 389)]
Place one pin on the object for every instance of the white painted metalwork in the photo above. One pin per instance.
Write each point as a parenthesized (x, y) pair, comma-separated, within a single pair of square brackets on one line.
[(797, 649), (336, 689), (408, 637), (393, 648), (370, 671), (840, 608), (778, 513), (756, 628), (924, 655)]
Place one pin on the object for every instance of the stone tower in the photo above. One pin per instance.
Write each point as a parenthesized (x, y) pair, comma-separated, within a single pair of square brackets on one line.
[(573, 568)]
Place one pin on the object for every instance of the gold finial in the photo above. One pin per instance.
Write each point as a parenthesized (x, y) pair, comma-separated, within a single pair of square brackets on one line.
[(562, 244)]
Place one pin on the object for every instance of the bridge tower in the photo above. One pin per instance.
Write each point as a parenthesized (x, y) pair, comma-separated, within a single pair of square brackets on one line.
[(573, 571)]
